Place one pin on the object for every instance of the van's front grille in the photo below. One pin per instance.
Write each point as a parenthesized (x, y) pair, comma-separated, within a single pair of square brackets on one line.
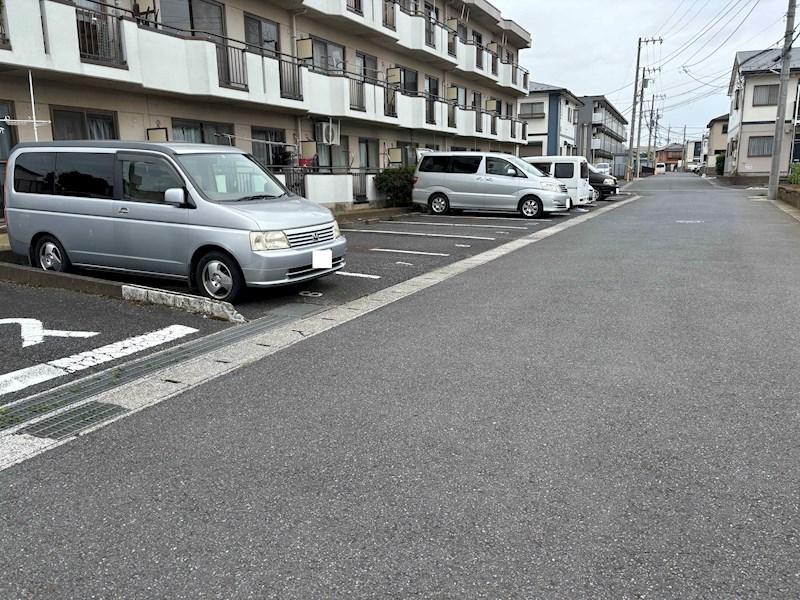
[(562, 187), (307, 237)]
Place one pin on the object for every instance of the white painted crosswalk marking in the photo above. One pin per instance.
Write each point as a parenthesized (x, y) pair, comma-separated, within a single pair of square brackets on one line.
[(22, 378)]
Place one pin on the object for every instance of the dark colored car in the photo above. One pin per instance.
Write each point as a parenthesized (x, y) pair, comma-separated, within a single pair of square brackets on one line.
[(604, 185)]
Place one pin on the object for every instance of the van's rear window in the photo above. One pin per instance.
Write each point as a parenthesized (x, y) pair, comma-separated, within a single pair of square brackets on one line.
[(434, 164), (35, 172)]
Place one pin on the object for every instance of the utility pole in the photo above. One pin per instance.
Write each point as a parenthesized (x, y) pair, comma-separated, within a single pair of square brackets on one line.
[(669, 131), (780, 117), (633, 112), (639, 136), (650, 126), (683, 151)]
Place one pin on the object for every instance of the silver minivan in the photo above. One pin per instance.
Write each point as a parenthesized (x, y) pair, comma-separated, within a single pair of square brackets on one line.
[(210, 215), (485, 181)]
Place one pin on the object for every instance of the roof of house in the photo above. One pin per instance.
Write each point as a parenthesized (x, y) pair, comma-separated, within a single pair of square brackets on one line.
[(535, 86), (722, 118), (762, 61), (673, 146)]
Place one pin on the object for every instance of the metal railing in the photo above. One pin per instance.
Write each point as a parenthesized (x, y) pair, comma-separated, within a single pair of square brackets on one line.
[(355, 6), (430, 110), (494, 63), (357, 94), (451, 115), (390, 102), (479, 57), (3, 33), (478, 121), (99, 35), (430, 32), (388, 14), (494, 125), (452, 44), (231, 66), (291, 81), (360, 182)]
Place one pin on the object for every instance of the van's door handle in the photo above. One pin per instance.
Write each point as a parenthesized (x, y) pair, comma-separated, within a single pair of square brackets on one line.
[(122, 211), (489, 179), (479, 179)]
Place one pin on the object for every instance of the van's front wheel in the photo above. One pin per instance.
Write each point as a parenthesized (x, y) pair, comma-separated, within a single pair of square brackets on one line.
[(219, 277), (531, 207), (50, 255)]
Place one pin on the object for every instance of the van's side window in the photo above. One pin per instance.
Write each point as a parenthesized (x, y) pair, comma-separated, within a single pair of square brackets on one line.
[(146, 180), (35, 172), (543, 167), (564, 170), (498, 166), (85, 175), (434, 164), (465, 164)]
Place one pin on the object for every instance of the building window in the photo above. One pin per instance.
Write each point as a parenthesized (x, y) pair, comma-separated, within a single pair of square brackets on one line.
[(725, 128), (271, 151), (327, 56), (531, 110), (367, 67), (765, 95), (431, 96), (202, 133), (736, 100), (197, 16), (82, 124), (510, 110), (760, 145), (408, 81), (262, 35)]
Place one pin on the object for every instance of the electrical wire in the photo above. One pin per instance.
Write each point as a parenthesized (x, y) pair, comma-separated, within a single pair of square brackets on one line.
[(726, 39)]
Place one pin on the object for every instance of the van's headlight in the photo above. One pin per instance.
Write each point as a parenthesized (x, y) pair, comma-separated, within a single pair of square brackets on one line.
[(550, 186), (608, 182), (268, 240), (337, 233)]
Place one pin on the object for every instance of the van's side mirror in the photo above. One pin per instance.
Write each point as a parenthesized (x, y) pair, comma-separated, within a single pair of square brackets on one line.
[(511, 172), (175, 196)]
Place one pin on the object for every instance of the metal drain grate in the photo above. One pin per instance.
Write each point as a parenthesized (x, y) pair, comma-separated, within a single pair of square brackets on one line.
[(74, 420), (35, 406)]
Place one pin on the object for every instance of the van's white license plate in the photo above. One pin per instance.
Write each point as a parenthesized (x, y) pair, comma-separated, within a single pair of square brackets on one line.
[(322, 259)]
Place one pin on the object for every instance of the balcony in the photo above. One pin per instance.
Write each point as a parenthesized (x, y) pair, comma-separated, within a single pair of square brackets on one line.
[(231, 67), (356, 17), (430, 40), (513, 76), (99, 35)]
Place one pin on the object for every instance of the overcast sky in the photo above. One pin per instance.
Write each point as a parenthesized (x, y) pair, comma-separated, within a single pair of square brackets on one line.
[(589, 47)]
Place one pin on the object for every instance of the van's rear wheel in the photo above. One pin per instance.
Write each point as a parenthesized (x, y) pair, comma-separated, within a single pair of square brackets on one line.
[(219, 277), (50, 255), (439, 204), (531, 207)]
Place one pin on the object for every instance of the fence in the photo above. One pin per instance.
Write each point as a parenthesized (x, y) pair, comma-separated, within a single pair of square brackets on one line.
[(231, 66), (99, 35)]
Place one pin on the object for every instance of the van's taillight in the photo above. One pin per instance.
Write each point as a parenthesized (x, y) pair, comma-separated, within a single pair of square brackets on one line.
[(413, 181)]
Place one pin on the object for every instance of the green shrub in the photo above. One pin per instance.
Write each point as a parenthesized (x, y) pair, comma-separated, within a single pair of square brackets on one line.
[(794, 174), (396, 185), (720, 166)]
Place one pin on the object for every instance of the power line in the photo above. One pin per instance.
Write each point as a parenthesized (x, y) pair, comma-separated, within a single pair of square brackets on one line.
[(726, 39)]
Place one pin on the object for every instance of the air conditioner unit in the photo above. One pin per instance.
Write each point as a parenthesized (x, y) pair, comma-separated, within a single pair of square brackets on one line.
[(328, 133), (452, 24)]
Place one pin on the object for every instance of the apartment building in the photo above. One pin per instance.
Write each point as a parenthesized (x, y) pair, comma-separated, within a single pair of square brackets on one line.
[(601, 130), (549, 112), (753, 89), (326, 92)]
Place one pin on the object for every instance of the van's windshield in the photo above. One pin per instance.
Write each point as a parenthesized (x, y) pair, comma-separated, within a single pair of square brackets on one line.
[(526, 166), (230, 177)]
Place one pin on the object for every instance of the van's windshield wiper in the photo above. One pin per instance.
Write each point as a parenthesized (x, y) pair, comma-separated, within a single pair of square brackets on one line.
[(259, 197)]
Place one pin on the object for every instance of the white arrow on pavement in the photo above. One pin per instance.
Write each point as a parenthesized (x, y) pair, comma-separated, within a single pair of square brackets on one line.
[(34, 333)]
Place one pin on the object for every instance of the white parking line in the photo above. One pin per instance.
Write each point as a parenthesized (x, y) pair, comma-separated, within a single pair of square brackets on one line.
[(362, 275), (18, 380), (408, 252), (439, 235), (454, 224), (400, 262), (482, 218), (463, 246)]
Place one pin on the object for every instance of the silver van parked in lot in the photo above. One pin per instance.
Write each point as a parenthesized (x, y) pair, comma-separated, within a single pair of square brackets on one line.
[(210, 215), (486, 181)]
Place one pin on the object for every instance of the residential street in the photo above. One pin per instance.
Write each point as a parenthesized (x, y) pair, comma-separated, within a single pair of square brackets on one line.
[(609, 412)]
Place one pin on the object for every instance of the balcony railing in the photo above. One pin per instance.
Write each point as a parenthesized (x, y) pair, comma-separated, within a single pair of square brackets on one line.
[(4, 41), (478, 121), (452, 44), (494, 64), (291, 81), (479, 57), (494, 124), (99, 35), (355, 6), (390, 102), (430, 109), (388, 14), (357, 94), (231, 67), (451, 115)]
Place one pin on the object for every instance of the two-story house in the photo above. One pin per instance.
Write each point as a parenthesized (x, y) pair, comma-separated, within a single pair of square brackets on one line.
[(550, 113), (753, 89), (717, 140), (601, 132), (317, 89)]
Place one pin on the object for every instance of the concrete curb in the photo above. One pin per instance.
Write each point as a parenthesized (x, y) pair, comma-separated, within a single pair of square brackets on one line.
[(111, 289)]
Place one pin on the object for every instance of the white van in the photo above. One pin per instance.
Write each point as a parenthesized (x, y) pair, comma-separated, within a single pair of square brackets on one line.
[(572, 171), (661, 168), (485, 181)]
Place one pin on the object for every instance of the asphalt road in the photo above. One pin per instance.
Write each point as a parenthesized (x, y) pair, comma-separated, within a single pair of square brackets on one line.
[(610, 412)]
